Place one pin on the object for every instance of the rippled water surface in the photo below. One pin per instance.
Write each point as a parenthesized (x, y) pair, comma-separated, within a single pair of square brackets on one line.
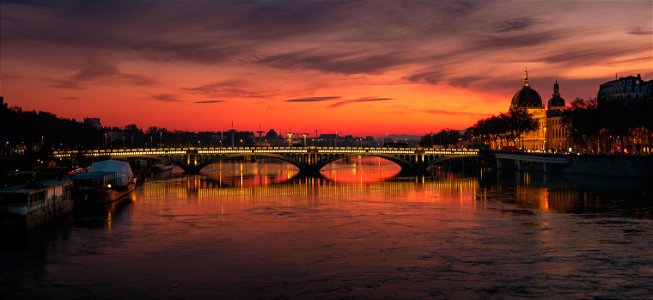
[(253, 230)]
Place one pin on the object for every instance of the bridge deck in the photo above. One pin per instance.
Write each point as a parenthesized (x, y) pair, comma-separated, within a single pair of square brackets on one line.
[(165, 151)]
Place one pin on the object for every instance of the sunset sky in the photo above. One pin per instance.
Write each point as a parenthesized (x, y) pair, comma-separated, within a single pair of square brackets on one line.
[(355, 67)]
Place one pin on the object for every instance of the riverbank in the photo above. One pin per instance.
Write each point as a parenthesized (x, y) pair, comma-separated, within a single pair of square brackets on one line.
[(599, 165)]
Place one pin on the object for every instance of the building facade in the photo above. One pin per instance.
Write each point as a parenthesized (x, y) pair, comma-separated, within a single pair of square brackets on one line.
[(624, 90)]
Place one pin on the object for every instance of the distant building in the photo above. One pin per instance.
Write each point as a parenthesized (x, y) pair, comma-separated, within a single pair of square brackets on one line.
[(624, 90), (95, 122), (551, 134)]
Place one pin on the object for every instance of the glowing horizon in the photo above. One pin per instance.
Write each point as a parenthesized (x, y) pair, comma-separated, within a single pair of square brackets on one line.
[(359, 68)]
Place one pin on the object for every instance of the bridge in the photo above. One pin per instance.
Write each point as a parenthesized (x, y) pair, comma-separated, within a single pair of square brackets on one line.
[(309, 160)]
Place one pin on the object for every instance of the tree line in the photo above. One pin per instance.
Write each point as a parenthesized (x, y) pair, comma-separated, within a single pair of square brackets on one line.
[(622, 127)]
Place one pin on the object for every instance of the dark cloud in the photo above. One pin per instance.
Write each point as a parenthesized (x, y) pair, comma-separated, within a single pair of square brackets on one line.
[(515, 41), (96, 70), (455, 113), (227, 89), (592, 53), (359, 62), (71, 98), (213, 87), (514, 24), (641, 31), (432, 77), (314, 99), (165, 98), (208, 101), (206, 52), (359, 100)]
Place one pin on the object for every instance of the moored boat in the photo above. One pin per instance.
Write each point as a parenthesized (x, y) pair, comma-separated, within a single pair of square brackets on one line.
[(27, 206), (105, 182)]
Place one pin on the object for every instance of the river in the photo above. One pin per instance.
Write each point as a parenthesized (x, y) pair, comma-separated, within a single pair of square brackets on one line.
[(253, 230)]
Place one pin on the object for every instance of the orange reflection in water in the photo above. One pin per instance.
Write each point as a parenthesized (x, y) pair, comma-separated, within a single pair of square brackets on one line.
[(360, 170), (250, 173)]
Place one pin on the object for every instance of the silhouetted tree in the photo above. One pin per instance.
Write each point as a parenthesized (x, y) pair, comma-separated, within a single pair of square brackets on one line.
[(503, 129)]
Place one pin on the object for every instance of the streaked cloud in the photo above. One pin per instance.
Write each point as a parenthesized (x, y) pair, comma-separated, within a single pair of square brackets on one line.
[(208, 101), (359, 100), (456, 113), (314, 99), (166, 98), (514, 24), (95, 70), (641, 31), (343, 63)]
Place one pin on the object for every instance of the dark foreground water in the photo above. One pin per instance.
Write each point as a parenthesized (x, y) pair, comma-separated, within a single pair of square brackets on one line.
[(247, 230)]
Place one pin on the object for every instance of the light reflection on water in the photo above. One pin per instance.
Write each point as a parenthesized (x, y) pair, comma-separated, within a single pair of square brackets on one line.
[(248, 230), (241, 173)]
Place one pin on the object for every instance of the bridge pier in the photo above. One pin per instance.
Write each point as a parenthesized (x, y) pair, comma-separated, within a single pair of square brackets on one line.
[(310, 171), (192, 169)]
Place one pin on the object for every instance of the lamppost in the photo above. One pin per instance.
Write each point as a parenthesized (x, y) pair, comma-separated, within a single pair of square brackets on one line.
[(160, 138)]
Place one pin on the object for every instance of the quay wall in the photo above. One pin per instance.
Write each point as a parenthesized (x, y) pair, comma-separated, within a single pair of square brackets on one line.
[(620, 166), (604, 165)]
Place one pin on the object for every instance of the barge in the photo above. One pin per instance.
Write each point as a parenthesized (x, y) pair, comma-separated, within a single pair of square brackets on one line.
[(27, 206)]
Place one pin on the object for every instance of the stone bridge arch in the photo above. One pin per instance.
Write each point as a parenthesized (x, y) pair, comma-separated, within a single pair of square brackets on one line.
[(195, 165), (404, 163)]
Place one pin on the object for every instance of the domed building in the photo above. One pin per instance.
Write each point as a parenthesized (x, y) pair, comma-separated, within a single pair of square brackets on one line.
[(556, 102), (551, 134), (529, 99), (556, 133), (526, 97)]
